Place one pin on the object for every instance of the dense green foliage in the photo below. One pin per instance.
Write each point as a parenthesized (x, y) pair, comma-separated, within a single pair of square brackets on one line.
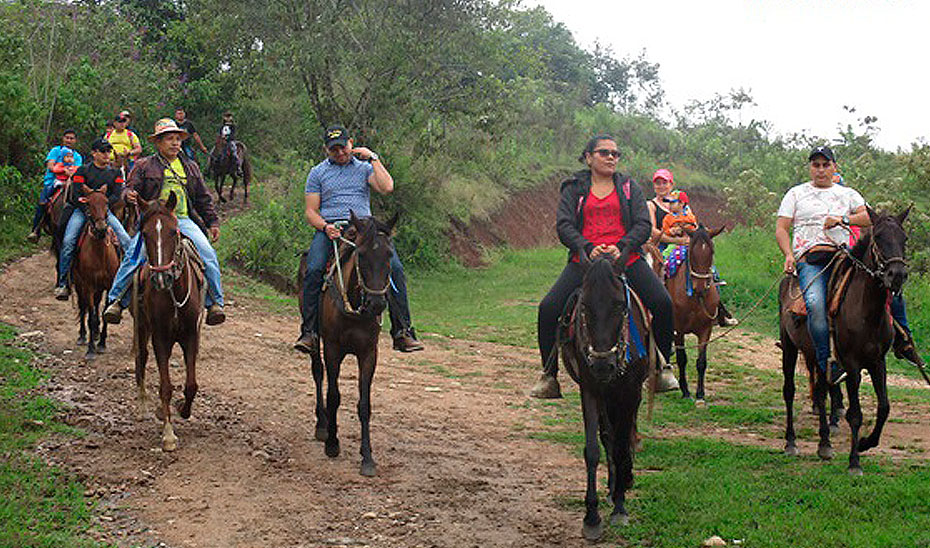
[(41, 505)]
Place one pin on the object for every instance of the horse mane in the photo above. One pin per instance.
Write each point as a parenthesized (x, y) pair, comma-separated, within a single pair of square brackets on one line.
[(861, 247), (701, 235), (601, 272)]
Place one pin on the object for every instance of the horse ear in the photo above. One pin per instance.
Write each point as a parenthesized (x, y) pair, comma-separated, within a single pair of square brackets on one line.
[(872, 215), (172, 201), (717, 231), (352, 217), (86, 189), (903, 215), (391, 222)]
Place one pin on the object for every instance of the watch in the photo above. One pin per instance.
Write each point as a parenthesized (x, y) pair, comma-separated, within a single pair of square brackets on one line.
[(846, 220), (373, 157)]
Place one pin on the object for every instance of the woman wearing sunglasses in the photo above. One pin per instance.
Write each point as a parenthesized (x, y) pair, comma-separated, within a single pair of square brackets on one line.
[(601, 212)]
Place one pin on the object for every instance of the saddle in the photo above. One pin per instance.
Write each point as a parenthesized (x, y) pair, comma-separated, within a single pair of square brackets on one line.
[(677, 257), (566, 325), (839, 281)]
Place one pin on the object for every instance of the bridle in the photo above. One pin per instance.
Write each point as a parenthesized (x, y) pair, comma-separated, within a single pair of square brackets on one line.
[(704, 276), (881, 262), (366, 290), (173, 269), (621, 344)]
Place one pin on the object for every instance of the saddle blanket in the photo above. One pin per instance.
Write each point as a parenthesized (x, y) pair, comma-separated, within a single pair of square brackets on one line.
[(675, 259)]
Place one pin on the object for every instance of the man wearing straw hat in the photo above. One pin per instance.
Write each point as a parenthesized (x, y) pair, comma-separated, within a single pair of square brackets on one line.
[(156, 176)]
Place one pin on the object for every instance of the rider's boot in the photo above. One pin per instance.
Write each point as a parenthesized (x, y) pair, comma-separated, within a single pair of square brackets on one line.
[(547, 387), (308, 341), (114, 313), (215, 315), (724, 318), (406, 341), (904, 348), (667, 382)]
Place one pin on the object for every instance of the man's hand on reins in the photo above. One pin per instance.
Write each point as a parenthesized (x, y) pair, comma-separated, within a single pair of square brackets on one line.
[(789, 264)]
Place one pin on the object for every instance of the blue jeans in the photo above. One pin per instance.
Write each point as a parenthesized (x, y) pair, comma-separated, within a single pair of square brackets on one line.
[(135, 256), (73, 232), (898, 311), (321, 249), (816, 276)]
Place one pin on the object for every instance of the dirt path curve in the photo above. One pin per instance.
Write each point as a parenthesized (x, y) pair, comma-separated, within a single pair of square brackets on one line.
[(454, 467)]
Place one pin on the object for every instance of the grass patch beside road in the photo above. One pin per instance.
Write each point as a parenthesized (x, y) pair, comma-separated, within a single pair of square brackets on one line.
[(41, 505)]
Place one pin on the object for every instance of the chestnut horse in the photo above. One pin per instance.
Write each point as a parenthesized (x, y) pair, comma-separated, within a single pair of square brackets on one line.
[(350, 321), (94, 268), (695, 301), (170, 297), (605, 352), (861, 332)]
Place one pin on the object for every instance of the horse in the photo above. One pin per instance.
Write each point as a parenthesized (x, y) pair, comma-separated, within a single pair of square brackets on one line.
[(94, 268), (350, 321), (223, 163), (861, 332), (167, 310), (128, 215), (696, 302), (604, 352)]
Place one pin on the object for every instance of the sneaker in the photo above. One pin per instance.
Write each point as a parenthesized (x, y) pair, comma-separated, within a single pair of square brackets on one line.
[(215, 315), (406, 342), (547, 387), (307, 342), (62, 292), (114, 313), (33, 237)]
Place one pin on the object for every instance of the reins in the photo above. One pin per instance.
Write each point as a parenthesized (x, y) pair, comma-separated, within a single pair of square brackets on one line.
[(340, 280)]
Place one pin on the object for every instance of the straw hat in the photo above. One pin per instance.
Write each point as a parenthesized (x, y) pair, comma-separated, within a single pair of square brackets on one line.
[(167, 125)]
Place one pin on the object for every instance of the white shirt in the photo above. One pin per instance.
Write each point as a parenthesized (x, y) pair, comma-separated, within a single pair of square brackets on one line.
[(808, 206)]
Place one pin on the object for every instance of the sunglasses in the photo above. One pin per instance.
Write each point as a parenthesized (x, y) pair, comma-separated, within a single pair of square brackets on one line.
[(124, 120), (821, 165), (605, 152)]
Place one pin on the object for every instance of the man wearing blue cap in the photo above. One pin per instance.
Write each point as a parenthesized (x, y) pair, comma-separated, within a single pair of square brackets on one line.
[(339, 184)]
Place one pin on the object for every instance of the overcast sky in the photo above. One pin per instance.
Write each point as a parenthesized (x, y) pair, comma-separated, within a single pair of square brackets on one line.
[(802, 60)]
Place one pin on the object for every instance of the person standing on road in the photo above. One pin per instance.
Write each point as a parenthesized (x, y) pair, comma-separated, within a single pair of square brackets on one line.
[(337, 185)]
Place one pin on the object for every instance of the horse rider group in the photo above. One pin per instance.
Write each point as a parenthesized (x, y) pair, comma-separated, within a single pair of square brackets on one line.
[(600, 212)]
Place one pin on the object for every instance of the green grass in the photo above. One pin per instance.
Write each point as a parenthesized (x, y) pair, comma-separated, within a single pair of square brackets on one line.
[(41, 506)]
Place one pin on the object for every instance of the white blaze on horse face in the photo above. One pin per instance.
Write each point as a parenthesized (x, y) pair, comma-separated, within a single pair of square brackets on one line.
[(158, 242)]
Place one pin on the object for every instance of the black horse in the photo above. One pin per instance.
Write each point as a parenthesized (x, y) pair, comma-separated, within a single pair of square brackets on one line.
[(350, 322), (861, 331), (223, 163), (604, 351)]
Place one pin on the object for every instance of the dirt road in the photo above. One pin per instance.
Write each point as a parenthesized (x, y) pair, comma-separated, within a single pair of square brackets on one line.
[(455, 466)]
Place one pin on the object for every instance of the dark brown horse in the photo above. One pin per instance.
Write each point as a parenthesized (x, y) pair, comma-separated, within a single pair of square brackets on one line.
[(93, 270), (128, 215), (861, 332), (605, 352), (223, 163), (696, 304), (350, 321), (170, 302)]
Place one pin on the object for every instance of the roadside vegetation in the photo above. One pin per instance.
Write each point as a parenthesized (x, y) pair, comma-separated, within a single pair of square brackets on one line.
[(41, 506)]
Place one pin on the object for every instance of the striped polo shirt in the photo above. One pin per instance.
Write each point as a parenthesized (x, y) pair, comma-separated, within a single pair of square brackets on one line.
[(341, 188)]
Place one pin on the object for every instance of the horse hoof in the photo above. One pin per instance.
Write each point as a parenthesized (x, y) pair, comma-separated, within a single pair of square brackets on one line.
[(792, 450), (825, 452), (320, 434), (101, 348), (170, 446), (332, 449), (594, 532), (81, 341), (855, 470), (700, 402), (368, 469), (185, 413), (90, 356), (620, 518)]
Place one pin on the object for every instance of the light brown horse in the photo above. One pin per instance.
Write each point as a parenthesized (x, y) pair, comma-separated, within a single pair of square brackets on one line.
[(170, 309), (94, 268), (695, 301), (350, 312)]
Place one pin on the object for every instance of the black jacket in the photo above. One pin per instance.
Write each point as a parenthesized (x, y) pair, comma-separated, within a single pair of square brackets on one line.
[(95, 178), (569, 219)]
